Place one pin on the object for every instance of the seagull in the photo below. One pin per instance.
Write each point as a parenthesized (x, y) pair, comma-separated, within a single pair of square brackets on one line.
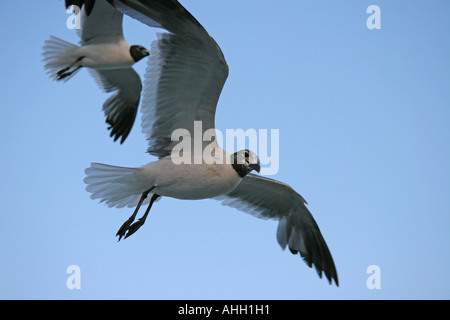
[(186, 72), (108, 57)]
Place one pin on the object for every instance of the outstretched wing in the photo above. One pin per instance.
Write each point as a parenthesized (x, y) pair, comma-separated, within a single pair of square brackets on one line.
[(185, 74), (121, 108), (297, 229)]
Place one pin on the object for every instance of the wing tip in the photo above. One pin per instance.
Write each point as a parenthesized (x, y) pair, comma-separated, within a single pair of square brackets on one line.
[(121, 128), (329, 269)]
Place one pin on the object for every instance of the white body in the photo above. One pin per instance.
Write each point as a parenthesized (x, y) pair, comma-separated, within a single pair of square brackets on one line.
[(97, 56), (189, 181), (120, 186), (105, 55)]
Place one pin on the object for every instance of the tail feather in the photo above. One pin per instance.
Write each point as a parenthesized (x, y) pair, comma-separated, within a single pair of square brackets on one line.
[(57, 55), (115, 186)]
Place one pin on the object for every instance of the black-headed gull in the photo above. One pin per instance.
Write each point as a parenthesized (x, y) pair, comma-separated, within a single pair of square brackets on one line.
[(108, 57), (185, 76)]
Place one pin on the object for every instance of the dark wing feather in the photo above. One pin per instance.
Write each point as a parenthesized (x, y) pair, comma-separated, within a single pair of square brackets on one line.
[(121, 108), (88, 4), (297, 229)]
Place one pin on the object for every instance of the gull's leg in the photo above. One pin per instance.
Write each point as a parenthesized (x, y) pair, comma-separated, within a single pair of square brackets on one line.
[(135, 226), (66, 74), (61, 74), (127, 223)]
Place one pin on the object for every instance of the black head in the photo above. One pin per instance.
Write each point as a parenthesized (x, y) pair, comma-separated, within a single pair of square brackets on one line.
[(138, 52), (244, 162)]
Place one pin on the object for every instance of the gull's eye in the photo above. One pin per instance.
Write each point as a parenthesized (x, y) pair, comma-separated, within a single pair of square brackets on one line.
[(246, 154)]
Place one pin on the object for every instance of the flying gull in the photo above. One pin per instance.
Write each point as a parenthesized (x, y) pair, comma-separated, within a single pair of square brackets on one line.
[(108, 57), (185, 76)]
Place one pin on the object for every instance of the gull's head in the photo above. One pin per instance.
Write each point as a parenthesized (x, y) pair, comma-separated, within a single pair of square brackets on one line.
[(138, 52), (244, 162)]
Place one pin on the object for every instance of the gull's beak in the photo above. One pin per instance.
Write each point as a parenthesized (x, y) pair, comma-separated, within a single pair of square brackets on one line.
[(146, 53), (255, 166)]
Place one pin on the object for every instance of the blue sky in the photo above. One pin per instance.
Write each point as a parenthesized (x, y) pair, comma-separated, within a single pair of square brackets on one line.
[(363, 117)]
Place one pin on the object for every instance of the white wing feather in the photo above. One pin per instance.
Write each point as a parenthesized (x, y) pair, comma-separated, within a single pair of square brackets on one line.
[(183, 82)]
